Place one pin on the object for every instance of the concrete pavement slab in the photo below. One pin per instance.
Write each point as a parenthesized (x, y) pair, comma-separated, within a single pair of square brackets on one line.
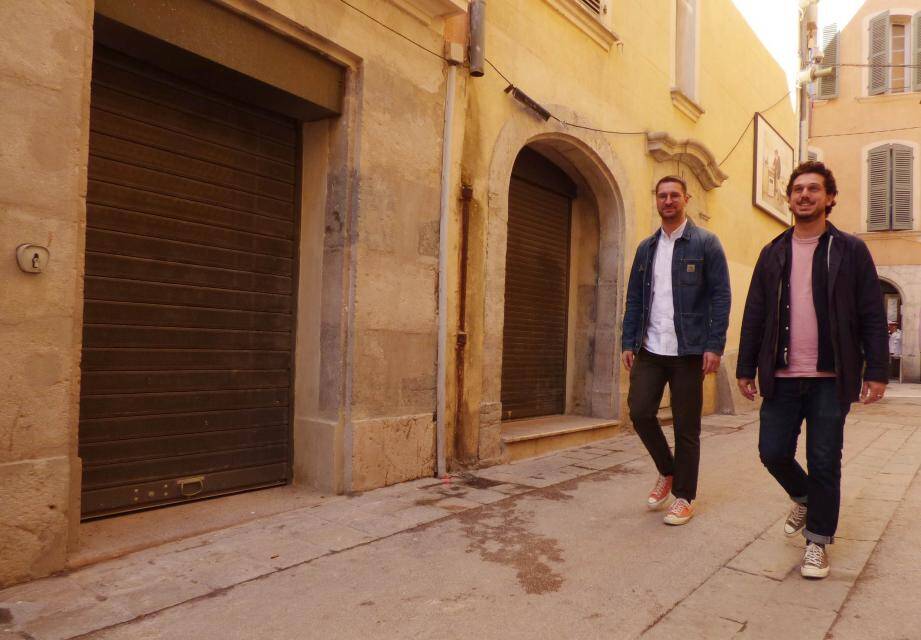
[(560, 548)]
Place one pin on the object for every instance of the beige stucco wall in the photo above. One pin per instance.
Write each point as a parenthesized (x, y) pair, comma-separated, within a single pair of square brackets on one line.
[(43, 79), (896, 253)]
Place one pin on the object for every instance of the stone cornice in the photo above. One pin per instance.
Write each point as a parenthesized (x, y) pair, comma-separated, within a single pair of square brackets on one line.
[(686, 106), (690, 152), (427, 10), (576, 13)]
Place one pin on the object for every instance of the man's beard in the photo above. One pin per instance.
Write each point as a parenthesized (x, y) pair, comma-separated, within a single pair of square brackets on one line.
[(811, 217)]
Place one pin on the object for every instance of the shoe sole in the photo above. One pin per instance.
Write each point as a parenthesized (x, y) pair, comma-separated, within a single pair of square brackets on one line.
[(675, 521), (652, 506), (814, 573), (790, 534)]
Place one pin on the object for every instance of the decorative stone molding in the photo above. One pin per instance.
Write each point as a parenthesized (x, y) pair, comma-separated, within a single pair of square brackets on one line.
[(428, 10), (690, 152), (592, 25), (686, 106)]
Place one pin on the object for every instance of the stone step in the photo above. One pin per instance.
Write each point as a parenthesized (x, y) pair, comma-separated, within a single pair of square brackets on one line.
[(531, 437)]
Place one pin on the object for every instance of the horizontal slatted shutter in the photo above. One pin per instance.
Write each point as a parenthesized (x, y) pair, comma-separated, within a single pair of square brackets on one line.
[(190, 253), (902, 187), (813, 156), (536, 302), (593, 5), (916, 51), (880, 54), (828, 86), (879, 189)]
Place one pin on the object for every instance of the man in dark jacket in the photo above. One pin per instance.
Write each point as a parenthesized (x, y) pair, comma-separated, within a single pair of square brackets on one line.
[(675, 324), (814, 325)]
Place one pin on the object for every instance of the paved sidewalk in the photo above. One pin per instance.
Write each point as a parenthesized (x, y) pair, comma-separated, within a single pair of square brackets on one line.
[(555, 547)]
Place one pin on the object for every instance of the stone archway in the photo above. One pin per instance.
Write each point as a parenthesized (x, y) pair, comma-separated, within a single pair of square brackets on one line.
[(904, 280), (592, 164)]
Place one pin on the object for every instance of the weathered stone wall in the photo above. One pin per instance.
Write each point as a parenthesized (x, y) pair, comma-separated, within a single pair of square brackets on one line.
[(44, 58)]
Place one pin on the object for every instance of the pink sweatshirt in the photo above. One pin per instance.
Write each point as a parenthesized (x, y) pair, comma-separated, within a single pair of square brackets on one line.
[(804, 328)]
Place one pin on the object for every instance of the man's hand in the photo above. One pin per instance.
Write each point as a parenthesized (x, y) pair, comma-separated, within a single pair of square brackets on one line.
[(872, 391), (747, 387), (711, 362), (627, 357)]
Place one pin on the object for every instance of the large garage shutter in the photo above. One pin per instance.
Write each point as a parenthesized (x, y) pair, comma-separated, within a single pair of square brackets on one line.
[(536, 290), (190, 271)]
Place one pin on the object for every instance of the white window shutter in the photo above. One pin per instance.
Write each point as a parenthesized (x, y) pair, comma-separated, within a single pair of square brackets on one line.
[(916, 51), (902, 187), (813, 156), (828, 87), (878, 189), (880, 54)]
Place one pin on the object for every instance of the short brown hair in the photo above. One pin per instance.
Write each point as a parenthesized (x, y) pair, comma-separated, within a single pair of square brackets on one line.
[(684, 185), (814, 166)]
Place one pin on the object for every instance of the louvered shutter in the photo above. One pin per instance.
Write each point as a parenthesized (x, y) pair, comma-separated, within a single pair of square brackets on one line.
[(828, 87), (916, 51), (902, 160), (878, 189), (813, 156), (593, 5), (880, 37)]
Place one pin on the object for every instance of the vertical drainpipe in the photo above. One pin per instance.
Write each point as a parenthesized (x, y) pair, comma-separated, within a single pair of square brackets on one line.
[(454, 55)]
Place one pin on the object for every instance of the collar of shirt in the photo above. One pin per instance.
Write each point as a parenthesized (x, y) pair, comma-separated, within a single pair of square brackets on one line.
[(677, 233)]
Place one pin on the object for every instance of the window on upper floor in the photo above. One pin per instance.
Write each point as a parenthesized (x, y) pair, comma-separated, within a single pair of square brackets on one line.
[(686, 47), (827, 87), (890, 186), (684, 90), (894, 53)]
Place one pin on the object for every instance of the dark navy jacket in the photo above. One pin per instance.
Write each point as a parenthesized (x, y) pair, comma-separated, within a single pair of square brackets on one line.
[(700, 290), (849, 309)]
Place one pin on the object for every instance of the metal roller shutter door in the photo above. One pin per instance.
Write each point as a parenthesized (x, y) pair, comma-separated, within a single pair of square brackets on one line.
[(189, 291), (536, 302)]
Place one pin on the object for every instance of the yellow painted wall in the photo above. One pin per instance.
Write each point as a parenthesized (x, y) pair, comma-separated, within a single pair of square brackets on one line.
[(627, 88)]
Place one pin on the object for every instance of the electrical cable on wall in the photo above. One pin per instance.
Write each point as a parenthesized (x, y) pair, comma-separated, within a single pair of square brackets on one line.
[(513, 88)]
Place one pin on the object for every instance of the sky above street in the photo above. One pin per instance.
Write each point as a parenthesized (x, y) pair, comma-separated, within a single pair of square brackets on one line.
[(776, 23)]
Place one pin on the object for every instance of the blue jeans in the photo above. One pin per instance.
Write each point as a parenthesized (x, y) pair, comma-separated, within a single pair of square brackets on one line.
[(814, 400)]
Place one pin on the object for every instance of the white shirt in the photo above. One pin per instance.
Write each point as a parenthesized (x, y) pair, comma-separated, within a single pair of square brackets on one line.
[(661, 338), (895, 343)]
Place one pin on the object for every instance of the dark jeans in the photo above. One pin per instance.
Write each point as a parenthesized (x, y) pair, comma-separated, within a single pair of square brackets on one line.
[(685, 379), (814, 400)]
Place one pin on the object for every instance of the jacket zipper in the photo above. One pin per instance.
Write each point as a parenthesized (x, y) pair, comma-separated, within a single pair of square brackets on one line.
[(777, 321), (834, 347)]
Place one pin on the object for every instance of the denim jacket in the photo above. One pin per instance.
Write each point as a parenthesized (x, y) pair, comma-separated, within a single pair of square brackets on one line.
[(700, 290)]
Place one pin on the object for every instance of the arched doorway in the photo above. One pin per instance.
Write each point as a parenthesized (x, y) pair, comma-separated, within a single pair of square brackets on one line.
[(893, 304), (537, 268)]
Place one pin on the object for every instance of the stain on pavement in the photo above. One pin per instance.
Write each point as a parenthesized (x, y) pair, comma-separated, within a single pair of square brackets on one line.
[(501, 534)]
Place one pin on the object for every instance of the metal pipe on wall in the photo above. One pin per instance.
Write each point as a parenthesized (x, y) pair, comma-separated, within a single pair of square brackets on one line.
[(441, 374), (476, 50)]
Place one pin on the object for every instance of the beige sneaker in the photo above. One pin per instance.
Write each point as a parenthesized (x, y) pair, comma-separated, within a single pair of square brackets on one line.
[(815, 561), (680, 512), (659, 493), (796, 520)]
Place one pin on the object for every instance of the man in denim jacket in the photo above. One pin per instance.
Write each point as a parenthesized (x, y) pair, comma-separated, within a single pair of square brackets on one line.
[(675, 324)]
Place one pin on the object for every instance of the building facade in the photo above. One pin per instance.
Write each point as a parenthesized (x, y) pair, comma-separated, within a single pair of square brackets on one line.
[(865, 127), (263, 242)]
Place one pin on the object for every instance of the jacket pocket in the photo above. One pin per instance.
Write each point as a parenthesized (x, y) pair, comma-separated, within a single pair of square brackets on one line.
[(693, 329), (692, 271)]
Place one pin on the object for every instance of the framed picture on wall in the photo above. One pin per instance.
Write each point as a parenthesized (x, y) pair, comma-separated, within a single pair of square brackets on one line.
[(773, 166)]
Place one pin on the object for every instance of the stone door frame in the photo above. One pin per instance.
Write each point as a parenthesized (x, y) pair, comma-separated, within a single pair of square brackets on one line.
[(592, 163)]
